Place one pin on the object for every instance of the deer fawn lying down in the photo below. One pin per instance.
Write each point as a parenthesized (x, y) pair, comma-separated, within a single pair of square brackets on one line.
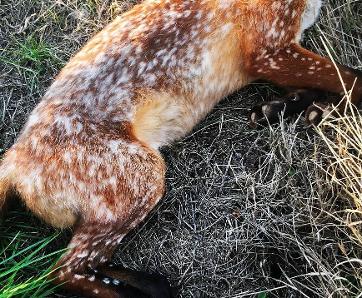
[(88, 156)]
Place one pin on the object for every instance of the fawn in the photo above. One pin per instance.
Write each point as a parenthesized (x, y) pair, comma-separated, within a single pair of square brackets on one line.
[(88, 155)]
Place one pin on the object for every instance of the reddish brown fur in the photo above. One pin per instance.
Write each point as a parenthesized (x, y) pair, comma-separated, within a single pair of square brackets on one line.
[(88, 156), (295, 62)]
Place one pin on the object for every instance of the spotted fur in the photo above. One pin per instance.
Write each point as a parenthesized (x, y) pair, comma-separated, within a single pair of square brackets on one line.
[(88, 155)]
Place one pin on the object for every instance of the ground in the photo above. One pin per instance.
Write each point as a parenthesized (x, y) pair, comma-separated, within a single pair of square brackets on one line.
[(248, 213)]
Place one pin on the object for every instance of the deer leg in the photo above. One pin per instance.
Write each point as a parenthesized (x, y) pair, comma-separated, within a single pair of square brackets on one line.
[(153, 285), (298, 68), (92, 244), (294, 102), (316, 112), (115, 206), (91, 247)]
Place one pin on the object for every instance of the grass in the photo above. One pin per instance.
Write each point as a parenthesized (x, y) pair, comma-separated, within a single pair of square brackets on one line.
[(31, 58), (343, 136), (35, 54), (11, 277), (26, 257), (248, 213)]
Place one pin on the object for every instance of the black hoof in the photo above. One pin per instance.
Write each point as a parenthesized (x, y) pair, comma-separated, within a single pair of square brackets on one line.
[(135, 284), (316, 113), (266, 113), (291, 104)]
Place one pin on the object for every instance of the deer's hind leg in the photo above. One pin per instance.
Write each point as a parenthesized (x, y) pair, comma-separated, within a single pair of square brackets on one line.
[(130, 187), (83, 270), (92, 244)]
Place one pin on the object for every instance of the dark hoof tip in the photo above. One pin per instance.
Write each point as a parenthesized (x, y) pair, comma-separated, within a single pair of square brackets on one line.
[(316, 113), (266, 113), (161, 287), (138, 284), (130, 292)]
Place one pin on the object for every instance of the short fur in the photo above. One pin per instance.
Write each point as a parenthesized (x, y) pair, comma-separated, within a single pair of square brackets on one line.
[(88, 155)]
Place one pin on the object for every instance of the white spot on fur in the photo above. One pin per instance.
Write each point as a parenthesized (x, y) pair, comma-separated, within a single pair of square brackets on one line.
[(78, 276), (116, 282), (92, 278), (83, 254), (114, 146)]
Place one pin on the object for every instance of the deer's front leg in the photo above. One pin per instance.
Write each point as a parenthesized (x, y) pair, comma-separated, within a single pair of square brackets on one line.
[(293, 102), (299, 68)]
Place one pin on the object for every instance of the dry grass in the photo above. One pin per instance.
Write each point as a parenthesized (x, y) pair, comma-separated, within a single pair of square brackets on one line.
[(247, 213), (342, 134)]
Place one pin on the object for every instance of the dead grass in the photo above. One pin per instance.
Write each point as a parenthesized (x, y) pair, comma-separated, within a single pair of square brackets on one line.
[(342, 163), (248, 213)]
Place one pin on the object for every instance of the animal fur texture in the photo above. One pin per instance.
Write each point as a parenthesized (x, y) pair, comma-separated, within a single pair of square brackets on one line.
[(88, 155)]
